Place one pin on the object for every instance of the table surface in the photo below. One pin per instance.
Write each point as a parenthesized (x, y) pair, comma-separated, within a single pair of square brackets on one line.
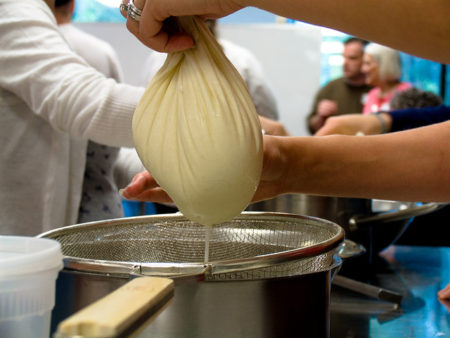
[(417, 273)]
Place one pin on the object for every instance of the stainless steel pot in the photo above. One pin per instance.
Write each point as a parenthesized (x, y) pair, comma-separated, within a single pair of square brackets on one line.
[(375, 224), (268, 275)]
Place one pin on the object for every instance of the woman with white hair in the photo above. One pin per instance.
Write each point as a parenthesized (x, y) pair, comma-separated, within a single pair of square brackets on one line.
[(382, 67)]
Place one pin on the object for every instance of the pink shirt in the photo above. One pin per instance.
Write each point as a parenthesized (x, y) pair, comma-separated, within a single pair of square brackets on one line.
[(375, 102)]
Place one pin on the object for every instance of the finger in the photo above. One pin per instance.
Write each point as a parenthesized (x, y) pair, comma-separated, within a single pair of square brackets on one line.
[(444, 293), (123, 8), (132, 24), (140, 182), (142, 175), (150, 31), (162, 33), (157, 195)]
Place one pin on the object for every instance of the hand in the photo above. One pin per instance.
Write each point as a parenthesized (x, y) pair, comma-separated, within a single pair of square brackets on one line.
[(444, 293), (272, 127), (158, 34), (326, 108), (144, 187), (272, 182), (350, 124)]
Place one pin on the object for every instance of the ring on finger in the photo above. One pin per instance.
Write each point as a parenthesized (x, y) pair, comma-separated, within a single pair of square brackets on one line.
[(123, 7), (133, 12)]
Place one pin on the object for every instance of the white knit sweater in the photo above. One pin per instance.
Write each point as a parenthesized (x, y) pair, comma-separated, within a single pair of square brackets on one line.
[(51, 103)]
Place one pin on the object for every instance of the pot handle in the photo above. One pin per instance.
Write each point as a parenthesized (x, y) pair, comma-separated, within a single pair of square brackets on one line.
[(140, 298), (417, 209)]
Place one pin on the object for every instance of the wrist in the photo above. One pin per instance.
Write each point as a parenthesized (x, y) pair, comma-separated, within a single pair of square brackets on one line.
[(384, 120)]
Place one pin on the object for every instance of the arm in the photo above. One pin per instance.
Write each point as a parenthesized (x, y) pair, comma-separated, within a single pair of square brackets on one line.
[(353, 124), (427, 22), (322, 108), (38, 67), (314, 120), (411, 165), (127, 165), (272, 127), (395, 120)]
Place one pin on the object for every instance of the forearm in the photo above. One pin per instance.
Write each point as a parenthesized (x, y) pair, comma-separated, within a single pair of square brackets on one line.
[(39, 68), (412, 165), (386, 22)]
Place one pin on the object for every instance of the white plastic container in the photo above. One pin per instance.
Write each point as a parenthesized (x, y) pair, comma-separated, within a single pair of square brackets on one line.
[(28, 270)]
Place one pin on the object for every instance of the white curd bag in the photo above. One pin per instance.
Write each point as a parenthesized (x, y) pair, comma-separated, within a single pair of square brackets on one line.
[(197, 132)]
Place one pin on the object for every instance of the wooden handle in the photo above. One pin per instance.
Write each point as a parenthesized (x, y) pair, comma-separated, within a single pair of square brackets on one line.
[(112, 314)]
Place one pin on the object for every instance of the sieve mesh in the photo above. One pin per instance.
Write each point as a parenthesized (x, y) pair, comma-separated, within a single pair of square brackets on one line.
[(251, 246)]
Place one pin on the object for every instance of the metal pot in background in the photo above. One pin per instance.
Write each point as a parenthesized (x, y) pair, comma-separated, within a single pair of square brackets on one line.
[(268, 275), (375, 224)]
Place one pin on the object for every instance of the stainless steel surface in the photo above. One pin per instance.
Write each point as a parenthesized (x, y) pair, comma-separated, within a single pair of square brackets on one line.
[(376, 224), (251, 246), (415, 272), (269, 274), (350, 249), (277, 307), (394, 211)]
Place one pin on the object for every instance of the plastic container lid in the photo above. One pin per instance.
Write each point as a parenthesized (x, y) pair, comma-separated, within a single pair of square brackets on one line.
[(21, 256)]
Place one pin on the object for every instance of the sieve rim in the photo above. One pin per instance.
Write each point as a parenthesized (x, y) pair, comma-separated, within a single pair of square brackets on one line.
[(198, 270)]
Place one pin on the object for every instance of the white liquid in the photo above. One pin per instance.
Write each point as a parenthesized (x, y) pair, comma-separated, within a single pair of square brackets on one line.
[(207, 238)]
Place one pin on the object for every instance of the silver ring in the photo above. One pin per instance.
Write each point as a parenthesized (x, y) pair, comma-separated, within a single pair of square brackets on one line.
[(123, 8), (133, 12)]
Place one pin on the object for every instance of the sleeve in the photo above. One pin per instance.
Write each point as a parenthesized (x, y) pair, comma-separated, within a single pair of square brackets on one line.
[(115, 66), (418, 117), (260, 92), (126, 166), (39, 67)]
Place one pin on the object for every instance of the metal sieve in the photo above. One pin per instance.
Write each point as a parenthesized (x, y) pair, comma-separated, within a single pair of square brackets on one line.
[(252, 246)]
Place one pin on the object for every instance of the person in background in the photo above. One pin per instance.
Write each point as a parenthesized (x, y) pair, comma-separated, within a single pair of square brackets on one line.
[(411, 108), (100, 199), (336, 165), (415, 98), (382, 69), (345, 94), (245, 62), (51, 104)]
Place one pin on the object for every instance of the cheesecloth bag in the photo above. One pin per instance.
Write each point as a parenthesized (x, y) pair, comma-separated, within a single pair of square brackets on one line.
[(197, 132)]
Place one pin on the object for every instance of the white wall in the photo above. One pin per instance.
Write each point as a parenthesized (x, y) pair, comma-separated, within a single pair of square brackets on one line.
[(289, 53)]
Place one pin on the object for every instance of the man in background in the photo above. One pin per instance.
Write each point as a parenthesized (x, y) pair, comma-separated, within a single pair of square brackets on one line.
[(344, 95)]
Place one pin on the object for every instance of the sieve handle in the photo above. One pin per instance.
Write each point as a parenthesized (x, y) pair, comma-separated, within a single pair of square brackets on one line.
[(402, 214), (118, 311), (368, 290)]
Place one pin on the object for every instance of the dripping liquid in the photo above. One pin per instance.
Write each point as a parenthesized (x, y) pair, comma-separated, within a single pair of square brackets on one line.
[(207, 239)]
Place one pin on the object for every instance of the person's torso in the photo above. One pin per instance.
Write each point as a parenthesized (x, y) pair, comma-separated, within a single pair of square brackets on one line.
[(377, 102), (350, 99)]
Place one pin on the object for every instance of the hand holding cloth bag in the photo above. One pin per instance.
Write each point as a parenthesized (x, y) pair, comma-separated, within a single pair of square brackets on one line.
[(197, 131)]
